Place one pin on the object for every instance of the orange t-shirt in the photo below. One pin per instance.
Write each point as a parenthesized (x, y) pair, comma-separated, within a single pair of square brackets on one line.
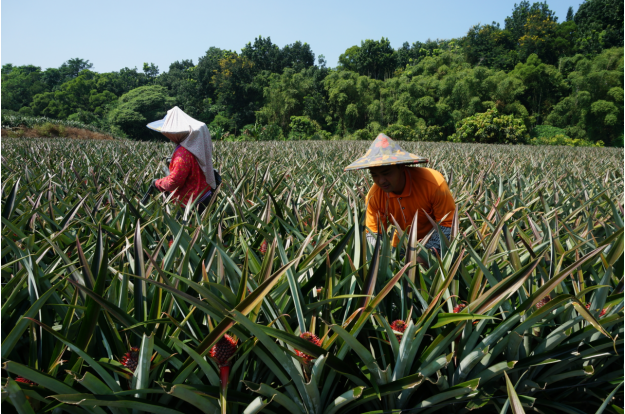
[(425, 189)]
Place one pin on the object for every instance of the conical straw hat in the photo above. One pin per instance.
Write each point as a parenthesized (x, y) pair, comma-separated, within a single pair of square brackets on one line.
[(385, 151)]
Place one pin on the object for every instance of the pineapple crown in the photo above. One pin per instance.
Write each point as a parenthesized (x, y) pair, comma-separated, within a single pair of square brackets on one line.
[(223, 350)]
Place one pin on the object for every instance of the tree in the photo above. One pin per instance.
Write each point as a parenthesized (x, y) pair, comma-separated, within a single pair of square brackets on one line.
[(491, 128), (348, 60), (538, 35), (264, 55), (490, 46), (600, 24), (73, 67), (151, 70), (268, 56), (203, 73), (82, 93), (372, 58), (521, 13), (20, 84), (565, 36), (182, 83), (294, 94), (236, 90), (570, 15), (297, 56), (544, 86), (377, 59), (140, 106)]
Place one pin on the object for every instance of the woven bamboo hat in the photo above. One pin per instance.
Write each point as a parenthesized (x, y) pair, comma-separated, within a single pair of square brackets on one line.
[(385, 151)]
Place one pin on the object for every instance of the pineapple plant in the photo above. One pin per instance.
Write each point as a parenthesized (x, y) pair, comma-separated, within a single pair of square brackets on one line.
[(81, 269)]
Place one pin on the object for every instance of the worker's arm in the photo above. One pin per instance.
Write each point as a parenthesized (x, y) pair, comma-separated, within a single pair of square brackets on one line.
[(443, 206), (373, 216), (180, 168)]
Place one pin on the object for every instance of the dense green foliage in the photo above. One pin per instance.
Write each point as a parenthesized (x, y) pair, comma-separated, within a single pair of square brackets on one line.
[(490, 128), (536, 254), (543, 72)]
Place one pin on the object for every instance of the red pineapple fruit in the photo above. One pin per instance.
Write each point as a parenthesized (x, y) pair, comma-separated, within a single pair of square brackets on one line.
[(131, 359), (543, 302), (24, 381), (263, 247), (313, 339), (603, 311), (459, 307), (221, 352), (399, 326)]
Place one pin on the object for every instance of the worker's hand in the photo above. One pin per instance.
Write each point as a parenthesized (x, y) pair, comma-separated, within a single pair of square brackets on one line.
[(152, 188)]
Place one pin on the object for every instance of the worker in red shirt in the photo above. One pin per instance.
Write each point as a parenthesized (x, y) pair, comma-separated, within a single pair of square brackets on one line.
[(191, 173), (400, 192)]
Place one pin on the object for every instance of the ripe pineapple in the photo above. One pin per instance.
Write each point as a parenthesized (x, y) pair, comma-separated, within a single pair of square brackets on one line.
[(313, 339), (221, 352), (399, 326), (24, 381), (543, 302), (131, 359), (601, 314)]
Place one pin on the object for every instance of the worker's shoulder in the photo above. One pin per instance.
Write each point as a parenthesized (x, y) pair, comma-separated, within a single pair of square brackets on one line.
[(181, 151), (428, 175)]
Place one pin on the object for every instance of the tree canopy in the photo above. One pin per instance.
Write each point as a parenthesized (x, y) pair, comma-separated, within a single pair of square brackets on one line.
[(534, 68)]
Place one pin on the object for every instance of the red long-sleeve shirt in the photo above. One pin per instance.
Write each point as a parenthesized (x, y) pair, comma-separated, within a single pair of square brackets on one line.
[(185, 176)]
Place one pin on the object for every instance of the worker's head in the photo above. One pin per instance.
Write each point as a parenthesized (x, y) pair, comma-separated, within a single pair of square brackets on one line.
[(390, 178), (176, 137)]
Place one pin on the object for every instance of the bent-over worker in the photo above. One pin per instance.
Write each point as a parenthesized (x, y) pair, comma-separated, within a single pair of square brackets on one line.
[(402, 192), (191, 166)]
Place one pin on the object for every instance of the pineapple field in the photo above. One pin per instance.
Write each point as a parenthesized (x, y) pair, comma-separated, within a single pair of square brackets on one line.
[(274, 301)]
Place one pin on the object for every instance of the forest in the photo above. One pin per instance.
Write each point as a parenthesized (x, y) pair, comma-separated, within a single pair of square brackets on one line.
[(533, 80)]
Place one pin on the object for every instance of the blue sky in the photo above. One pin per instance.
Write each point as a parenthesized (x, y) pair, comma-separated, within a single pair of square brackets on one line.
[(115, 34)]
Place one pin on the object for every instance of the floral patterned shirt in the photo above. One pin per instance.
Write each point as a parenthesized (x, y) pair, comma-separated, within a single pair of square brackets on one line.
[(186, 177)]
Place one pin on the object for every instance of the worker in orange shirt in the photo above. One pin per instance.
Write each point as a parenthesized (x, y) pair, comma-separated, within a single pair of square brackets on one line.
[(402, 192)]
